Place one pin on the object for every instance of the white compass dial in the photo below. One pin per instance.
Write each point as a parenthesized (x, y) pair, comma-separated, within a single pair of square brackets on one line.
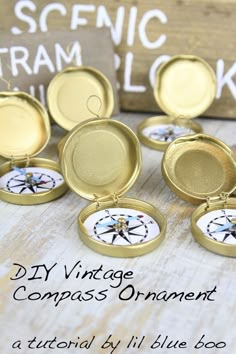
[(219, 225), (30, 180), (166, 132), (121, 226)]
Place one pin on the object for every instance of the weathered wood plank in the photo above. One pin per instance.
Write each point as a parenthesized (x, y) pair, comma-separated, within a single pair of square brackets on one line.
[(145, 33)]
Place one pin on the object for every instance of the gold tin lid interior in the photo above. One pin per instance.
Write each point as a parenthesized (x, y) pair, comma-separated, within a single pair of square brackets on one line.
[(199, 167), (69, 96), (24, 125), (185, 86), (158, 132), (101, 158)]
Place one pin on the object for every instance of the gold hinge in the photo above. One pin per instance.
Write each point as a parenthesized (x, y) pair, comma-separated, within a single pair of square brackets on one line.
[(221, 199), (24, 159), (99, 200)]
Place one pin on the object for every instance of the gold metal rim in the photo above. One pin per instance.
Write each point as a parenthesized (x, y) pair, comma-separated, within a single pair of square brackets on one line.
[(69, 124), (159, 145), (44, 125), (122, 251), (192, 196), (212, 245), (160, 72), (31, 199), (87, 188)]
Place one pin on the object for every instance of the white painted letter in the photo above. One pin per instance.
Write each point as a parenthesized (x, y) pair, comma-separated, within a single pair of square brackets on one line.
[(155, 66), (74, 51), (19, 61), (42, 58), (142, 29), (131, 25), (42, 94), (45, 12), (127, 76), (104, 20), (21, 16), (32, 90), (76, 20), (2, 51), (225, 79)]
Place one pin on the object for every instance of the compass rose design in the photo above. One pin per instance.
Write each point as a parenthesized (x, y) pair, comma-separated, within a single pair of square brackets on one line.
[(121, 226), (220, 225), (166, 132), (30, 180)]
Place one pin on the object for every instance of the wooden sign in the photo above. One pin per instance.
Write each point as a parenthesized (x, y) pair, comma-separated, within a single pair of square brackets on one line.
[(145, 34), (29, 61)]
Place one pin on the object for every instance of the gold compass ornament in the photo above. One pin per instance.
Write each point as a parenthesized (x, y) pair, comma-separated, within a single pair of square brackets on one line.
[(201, 169), (68, 95), (24, 133), (101, 160), (185, 87), (214, 225)]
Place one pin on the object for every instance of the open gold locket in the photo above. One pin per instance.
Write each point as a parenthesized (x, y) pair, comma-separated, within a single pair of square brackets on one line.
[(68, 95), (24, 133), (201, 169), (185, 87), (101, 160)]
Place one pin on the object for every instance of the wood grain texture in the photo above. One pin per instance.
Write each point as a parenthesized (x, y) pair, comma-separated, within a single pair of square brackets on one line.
[(205, 28), (48, 234)]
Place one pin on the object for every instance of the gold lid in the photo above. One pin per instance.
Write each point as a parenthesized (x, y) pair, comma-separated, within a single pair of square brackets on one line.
[(158, 132), (185, 86), (69, 95), (199, 167), (101, 158), (24, 125)]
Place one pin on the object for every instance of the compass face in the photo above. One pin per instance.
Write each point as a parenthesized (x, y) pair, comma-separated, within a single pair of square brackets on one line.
[(219, 225), (166, 132), (121, 226), (30, 180)]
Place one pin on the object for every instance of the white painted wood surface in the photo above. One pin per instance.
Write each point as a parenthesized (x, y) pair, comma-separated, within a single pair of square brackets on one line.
[(47, 234)]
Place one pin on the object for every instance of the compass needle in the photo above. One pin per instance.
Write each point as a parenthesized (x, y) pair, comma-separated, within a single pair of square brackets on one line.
[(224, 227), (19, 170)]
